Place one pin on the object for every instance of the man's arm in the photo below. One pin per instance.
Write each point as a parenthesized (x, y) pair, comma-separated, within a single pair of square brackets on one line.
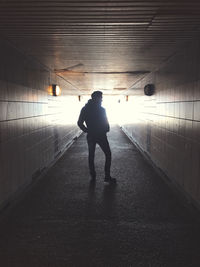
[(80, 122)]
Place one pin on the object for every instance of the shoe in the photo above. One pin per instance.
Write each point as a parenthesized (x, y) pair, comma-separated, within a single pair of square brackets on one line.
[(92, 182), (110, 180), (93, 179)]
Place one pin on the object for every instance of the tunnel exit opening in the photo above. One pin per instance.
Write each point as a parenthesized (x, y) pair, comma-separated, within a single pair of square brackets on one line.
[(118, 109)]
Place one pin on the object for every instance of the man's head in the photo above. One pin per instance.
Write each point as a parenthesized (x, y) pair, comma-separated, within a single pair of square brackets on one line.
[(97, 97)]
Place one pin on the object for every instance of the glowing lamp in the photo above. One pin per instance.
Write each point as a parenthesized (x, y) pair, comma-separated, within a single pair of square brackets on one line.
[(56, 90)]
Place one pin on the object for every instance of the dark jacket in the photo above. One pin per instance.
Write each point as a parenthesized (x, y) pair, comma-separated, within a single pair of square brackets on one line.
[(95, 119)]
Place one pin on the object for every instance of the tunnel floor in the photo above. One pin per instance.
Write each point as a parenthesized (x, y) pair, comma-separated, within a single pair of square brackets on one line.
[(63, 220)]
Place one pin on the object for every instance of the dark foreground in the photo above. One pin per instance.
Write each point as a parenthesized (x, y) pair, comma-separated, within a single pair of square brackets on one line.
[(66, 221)]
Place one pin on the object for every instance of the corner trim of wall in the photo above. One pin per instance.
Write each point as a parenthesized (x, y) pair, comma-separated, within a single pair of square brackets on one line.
[(16, 197), (183, 196)]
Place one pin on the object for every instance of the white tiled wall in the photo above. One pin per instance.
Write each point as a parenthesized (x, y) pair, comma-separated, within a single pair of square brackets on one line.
[(32, 130), (168, 124)]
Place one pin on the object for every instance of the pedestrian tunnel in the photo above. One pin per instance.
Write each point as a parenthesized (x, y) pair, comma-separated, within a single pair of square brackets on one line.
[(144, 57), (37, 127)]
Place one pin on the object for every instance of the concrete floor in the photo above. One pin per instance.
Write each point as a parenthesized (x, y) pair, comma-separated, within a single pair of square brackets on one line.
[(65, 221)]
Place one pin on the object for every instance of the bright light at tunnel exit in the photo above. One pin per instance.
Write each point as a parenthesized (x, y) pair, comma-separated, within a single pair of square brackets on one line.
[(118, 110), (115, 105)]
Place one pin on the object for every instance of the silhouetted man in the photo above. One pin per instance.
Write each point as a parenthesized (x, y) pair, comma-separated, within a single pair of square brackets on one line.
[(94, 116)]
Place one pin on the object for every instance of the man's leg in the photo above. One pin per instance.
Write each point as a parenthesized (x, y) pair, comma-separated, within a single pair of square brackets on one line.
[(103, 143), (91, 148)]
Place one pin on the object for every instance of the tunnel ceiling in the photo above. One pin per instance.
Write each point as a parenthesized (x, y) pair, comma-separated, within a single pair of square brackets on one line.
[(100, 44)]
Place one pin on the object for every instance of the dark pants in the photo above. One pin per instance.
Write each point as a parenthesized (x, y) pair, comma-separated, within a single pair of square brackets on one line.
[(102, 141)]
